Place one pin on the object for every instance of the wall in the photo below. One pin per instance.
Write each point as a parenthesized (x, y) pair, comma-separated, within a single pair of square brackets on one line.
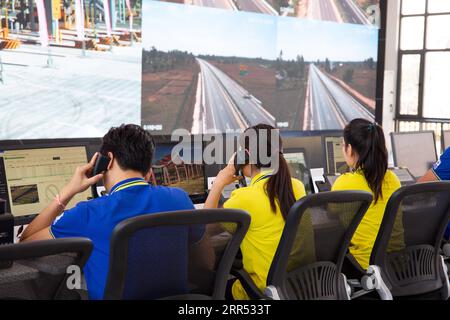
[(390, 73)]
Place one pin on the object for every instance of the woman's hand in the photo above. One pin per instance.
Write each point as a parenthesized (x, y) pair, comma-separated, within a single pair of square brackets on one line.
[(227, 175), (224, 178)]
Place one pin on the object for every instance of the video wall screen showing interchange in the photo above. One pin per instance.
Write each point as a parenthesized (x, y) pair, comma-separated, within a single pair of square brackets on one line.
[(208, 66)]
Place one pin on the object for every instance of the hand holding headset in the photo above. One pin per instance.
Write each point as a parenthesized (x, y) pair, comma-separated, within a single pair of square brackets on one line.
[(101, 165), (241, 159)]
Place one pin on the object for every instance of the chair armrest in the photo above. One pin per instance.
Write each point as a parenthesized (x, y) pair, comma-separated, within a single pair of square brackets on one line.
[(274, 293), (371, 280), (374, 281), (446, 250), (247, 283)]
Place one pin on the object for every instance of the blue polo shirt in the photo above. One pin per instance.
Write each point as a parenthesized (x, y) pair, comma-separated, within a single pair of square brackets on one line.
[(442, 171), (442, 168), (96, 219)]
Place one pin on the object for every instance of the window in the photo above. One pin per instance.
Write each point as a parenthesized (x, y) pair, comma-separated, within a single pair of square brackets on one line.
[(424, 62)]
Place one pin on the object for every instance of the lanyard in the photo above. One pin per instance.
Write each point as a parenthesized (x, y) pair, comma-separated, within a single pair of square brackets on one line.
[(267, 176), (129, 185)]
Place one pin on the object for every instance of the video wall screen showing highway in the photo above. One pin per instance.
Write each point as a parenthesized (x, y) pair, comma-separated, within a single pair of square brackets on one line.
[(210, 70), (341, 11), (69, 68)]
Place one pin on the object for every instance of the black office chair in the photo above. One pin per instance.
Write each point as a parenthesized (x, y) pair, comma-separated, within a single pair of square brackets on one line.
[(40, 269), (406, 259), (193, 260), (308, 261)]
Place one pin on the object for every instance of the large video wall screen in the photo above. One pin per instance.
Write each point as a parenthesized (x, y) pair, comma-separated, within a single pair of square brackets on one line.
[(219, 66)]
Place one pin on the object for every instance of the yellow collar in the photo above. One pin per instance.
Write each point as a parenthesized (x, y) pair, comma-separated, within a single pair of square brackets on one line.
[(261, 176)]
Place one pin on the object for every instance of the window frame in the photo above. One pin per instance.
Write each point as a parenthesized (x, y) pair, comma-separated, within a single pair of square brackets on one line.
[(422, 70)]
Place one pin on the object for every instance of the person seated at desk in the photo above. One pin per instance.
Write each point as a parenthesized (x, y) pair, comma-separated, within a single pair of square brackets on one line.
[(365, 152), (268, 200), (440, 172), (130, 149)]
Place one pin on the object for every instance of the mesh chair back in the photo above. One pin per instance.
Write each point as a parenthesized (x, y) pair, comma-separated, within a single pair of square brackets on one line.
[(308, 262), (157, 256), (408, 243), (40, 269)]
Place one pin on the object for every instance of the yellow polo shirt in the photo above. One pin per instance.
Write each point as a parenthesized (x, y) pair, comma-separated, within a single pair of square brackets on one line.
[(261, 241), (363, 240)]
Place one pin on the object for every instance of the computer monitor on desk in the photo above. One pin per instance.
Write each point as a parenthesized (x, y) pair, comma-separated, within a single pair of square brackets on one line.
[(179, 170), (331, 179), (334, 155), (31, 177), (446, 138), (298, 166), (415, 151)]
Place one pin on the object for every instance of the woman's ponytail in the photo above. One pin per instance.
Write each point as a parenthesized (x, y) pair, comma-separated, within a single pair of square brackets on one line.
[(279, 186), (367, 140)]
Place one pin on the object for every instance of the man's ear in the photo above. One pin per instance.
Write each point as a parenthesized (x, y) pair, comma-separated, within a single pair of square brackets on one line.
[(110, 164)]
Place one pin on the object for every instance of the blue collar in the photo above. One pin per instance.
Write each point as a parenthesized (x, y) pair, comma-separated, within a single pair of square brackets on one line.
[(121, 183)]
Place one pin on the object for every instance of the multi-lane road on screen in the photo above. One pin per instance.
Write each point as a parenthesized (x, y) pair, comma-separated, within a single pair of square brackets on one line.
[(330, 10), (330, 105), (225, 105)]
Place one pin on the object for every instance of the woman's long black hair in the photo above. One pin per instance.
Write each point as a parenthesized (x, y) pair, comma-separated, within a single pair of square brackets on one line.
[(279, 186), (367, 140)]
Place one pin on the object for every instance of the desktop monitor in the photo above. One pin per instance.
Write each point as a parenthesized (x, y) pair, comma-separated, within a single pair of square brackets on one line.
[(446, 137), (296, 160), (32, 176), (415, 151), (331, 178), (183, 170), (334, 156)]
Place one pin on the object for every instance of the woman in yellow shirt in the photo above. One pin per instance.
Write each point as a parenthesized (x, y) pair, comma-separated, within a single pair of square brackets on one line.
[(365, 152), (268, 199)]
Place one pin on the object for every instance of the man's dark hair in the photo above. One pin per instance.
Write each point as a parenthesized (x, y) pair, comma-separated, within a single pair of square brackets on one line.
[(132, 146)]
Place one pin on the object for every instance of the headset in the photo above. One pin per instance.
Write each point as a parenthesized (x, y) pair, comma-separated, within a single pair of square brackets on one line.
[(241, 159), (101, 165)]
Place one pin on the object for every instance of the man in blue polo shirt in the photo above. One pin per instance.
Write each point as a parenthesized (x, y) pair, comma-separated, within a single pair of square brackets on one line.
[(130, 149), (440, 172)]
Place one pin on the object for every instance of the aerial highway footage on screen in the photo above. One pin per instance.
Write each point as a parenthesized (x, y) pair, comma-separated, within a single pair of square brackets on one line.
[(208, 70)]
